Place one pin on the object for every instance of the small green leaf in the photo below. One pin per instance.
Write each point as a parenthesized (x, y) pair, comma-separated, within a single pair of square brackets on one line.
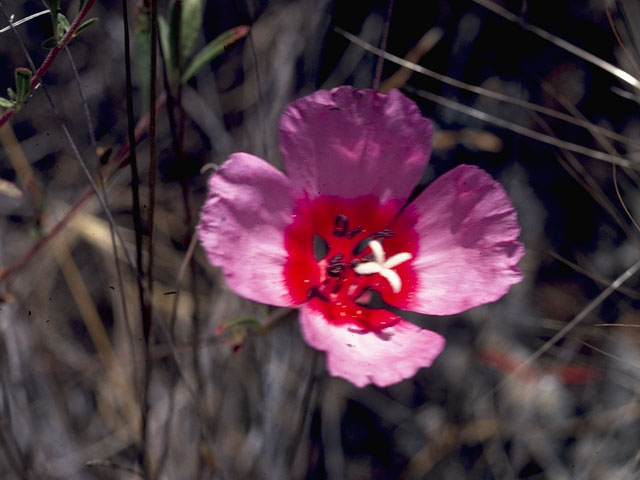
[(23, 83), (5, 103), (63, 26), (185, 19), (169, 40), (165, 44), (54, 8), (84, 25), (190, 26), (50, 42), (248, 322), (11, 94), (213, 49), (174, 21)]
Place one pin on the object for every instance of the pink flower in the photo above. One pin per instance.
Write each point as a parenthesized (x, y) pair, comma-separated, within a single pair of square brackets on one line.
[(352, 159)]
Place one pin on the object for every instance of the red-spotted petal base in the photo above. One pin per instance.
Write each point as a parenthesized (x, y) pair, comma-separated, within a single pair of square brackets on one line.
[(347, 226)]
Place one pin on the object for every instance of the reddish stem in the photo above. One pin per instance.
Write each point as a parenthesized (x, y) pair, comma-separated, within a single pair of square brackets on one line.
[(53, 53), (117, 162)]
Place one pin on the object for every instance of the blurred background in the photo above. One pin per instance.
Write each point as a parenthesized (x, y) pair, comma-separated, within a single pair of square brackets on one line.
[(543, 384)]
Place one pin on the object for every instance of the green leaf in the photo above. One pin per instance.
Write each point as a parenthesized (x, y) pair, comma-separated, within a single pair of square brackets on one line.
[(54, 9), (174, 21), (49, 43), (185, 17), (213, 49), (171, 43), (84, 25), (63, 26), (11, 94), (190, 26), (165, 44), (23, 83), (5, 103), (142, 51), (247, 322)]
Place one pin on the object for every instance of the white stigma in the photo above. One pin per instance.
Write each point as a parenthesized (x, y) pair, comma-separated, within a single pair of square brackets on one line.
[(383, 266)]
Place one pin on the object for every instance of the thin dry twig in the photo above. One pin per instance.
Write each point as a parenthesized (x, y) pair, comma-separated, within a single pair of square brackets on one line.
[(480, 115), (26, 19), (559, 42), (590, 307), (480, 90)]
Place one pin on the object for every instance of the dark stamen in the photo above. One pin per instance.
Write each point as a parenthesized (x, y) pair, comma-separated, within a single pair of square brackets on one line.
[(335, 270), (354, 232), (341, 224), (382, 234), (336, 267), (335, 259)]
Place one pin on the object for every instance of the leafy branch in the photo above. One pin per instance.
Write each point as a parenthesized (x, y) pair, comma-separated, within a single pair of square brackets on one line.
[(113, 164), (71, 32)]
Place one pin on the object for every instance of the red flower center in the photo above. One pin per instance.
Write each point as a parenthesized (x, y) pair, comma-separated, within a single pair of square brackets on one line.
[(340, 251)]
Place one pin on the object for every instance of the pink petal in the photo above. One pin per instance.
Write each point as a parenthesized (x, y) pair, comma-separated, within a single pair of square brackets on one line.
[(468, 253), (242, 227), (351, 143), (385, 357)]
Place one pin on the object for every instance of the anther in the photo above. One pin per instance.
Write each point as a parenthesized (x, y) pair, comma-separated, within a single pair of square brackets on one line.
[(383, 266), (382, 234), (335, 270), (356, 231), (341, 224), (367, 257), (336, 266), (336, 259)]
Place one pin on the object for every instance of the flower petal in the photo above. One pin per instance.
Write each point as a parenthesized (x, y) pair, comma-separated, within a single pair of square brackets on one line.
[(351, 143), (468, 253), (362, 357), (242, 226)]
